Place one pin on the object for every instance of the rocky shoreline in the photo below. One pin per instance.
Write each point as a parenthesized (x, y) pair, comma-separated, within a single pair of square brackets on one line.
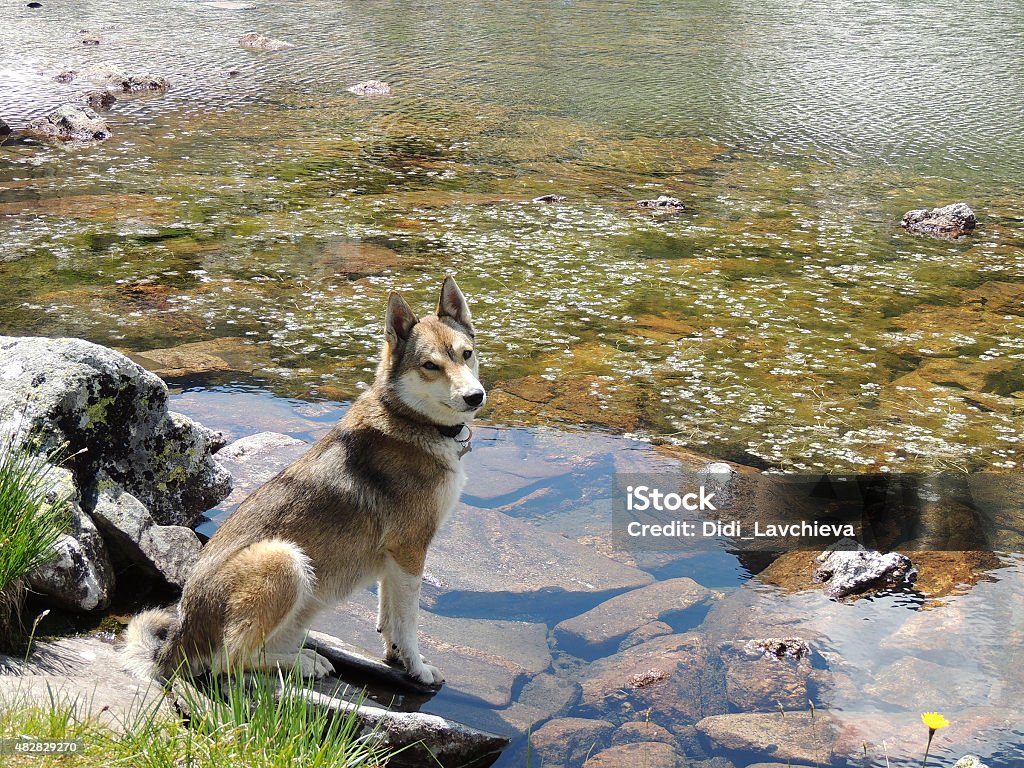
[(619, 668)]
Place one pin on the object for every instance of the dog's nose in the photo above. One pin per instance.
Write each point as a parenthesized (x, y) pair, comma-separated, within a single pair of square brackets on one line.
[(474, 399)]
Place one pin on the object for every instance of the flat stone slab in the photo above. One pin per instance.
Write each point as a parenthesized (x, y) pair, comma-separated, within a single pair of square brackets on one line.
[(610, 622), (482, 658), (794, 736), (85, 672), (255, 459), (484, 562)]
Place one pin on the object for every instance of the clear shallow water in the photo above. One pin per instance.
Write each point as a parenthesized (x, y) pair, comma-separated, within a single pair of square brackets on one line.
[(876, 663), (783, 320)]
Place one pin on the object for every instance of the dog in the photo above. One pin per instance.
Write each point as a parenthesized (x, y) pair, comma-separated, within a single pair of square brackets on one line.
[(361, 506)]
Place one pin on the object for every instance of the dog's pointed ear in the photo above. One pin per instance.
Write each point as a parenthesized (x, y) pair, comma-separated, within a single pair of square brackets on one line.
[(453, 304), (399, 320)]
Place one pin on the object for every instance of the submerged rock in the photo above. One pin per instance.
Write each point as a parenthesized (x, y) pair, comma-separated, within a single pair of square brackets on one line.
[(100, 99), (370, 88), (663, 202), (566, 742), (611, 621), (657, 681), (70, 122), (111, 415), (649, 754), (484, 560), (950, 221), (850, 573), (254, 41), (116, 79), (799, 736)]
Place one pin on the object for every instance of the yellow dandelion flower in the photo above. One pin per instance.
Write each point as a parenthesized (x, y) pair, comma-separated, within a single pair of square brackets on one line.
[(934, 721)]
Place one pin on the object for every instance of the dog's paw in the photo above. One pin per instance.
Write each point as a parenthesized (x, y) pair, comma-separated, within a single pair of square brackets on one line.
[(427, 674), (313, 665)]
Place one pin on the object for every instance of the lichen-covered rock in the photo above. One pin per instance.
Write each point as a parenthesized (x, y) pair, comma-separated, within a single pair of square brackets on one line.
[(165, 551), (79, 576), (950, 221), (370, 88), (254, 41), (70, 122), (850, 573), (112, 417), (969, 761)]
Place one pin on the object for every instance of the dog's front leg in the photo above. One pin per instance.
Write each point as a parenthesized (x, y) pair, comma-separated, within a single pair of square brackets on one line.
[(397, 615)]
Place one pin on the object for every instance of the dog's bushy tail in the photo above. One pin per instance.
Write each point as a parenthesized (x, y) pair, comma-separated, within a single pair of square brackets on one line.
[(145, 638)]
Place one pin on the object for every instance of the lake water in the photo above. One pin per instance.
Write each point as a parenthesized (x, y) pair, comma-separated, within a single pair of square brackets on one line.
[(783, 320)]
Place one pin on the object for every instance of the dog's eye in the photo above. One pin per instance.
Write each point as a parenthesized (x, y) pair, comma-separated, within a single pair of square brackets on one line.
[(430, 366), (467, 354)]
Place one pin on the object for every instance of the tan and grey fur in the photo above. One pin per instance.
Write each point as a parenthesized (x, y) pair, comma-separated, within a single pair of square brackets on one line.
[(362, 505)]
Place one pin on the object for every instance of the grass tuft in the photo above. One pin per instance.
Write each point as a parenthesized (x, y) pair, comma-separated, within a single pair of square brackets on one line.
[(33, 515)]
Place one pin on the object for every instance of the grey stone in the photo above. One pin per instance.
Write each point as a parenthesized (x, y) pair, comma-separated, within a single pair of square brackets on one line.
[(370, 88), (969, 761), (552, 198), (254, 41), (569, 741), (166, 551), (950, 221), (116, 79), (649, 754), (70, 122), (255, 459), (111, 415), (417, 738), (79, 575), (611, 621), (663, 203), (641, 730), (793, 736), (673, 681), (850, 573), (484, 560), (83, 674), (482, 658)]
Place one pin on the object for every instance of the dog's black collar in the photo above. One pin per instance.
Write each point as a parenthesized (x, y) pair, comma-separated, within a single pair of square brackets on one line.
[(452, 431)]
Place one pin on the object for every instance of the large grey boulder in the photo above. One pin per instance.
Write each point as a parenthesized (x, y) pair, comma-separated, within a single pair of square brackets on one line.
[(79, 576), (167, 552), (111, 416), (70, 122), (950, 221)]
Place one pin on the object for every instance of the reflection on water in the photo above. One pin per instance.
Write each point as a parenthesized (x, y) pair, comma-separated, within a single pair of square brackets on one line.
[(875, 663)]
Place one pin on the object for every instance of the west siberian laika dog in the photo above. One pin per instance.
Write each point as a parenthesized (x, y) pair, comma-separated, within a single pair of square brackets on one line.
[(362, 505)]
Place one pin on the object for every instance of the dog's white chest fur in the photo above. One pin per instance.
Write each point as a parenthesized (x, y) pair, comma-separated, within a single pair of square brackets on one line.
[(450, 488)]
